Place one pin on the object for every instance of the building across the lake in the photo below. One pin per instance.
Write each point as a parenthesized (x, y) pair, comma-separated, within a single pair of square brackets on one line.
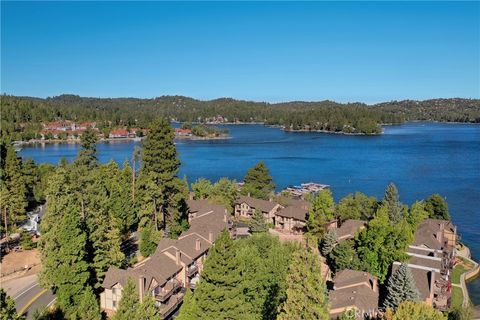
[(175, 266)]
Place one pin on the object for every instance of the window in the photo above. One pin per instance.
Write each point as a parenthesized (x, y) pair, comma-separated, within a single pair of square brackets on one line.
[(114, 291), (114, 303)]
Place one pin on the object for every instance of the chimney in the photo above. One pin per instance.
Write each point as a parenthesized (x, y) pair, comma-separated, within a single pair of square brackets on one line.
[(225, 217), (197, 244), (141, 287), (432, 284), (248, 194), (210, 236), (190, 196), (177, 256)]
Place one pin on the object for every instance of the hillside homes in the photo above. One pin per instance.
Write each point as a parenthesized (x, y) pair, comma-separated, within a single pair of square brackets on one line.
[(175, 266), (245, 207)]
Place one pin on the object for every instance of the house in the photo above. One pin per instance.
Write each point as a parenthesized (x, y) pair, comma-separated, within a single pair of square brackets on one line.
[(85, 125), (183, 132), (175, 266), (432, 257), (349, 228), (246, 206), (32, 224), (356, 292), (291, 219), (61, 125), (118, 133)]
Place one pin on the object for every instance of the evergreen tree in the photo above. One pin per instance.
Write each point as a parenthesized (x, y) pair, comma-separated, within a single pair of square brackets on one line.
[(26, 240), (87, 155), (7, 307), (189, 308), (329, 242), (202, 189), (416, 214), (257, 223), (306, 291), (225, 192), (148, 310), (258, 182), (219, 295), (437, 207), (321, 211), (129, 303), (410, 310), (149, 238), (162, 193), (64, 253), (88, 308), (392, 202), (401, 287)]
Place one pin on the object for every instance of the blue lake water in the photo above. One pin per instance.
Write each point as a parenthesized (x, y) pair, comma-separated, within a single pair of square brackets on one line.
[(420, 158)]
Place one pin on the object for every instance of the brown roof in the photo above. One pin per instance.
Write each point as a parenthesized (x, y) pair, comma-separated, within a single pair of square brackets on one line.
[(426, 234), (349, 277), (361, 297), (422, 279), (349, 228), (115, 275), (296, 213), (294, 202), (264, 205)]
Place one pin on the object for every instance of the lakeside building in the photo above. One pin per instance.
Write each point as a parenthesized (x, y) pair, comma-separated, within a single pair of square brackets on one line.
[(175, 266), (356, 292), (349, 228), (432, 258), (245, 207)]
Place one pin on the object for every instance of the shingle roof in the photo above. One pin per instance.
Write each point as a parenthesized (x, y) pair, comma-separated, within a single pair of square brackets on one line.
[(264, 205), (293, 212), (426, 233), (349, 228), (349, 277), (361, 297)]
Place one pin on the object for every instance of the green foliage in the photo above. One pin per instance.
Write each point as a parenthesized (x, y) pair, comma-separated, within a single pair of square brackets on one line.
[(149, 238), (257, 223), (329, 242), (129, 303), (7, 307), (148, 310), (225, 192), (160, 190), (356, 206), (87, 155), (26, 241), (306, 291), (401, 287), (258, 182), (202, 188), (461, 312), (437, 207), (382, 243), (88, 308), (344, 256), (321, 211), (417, 214), (409, 310), (392, 202)]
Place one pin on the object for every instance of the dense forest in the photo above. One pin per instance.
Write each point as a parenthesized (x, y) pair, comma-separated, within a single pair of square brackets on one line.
[(21, 116)]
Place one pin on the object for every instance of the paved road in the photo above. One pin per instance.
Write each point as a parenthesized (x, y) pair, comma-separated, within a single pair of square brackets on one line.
[(28, 294)]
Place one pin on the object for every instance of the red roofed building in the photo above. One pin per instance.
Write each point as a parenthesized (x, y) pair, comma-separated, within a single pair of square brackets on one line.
[(118, 133), (183, 132)]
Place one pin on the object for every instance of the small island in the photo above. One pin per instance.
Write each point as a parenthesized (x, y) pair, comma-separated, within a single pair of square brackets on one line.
[(201, 132)]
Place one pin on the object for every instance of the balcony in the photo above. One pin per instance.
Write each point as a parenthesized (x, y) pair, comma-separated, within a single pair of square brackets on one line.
[(193, 283), (173, 303), (167, 290), (192, 270)]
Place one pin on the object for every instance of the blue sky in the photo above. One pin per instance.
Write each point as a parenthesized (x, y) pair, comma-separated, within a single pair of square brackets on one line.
[(343, 51)]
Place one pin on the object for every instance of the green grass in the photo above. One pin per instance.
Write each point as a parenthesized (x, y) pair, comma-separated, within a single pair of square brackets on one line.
[(457, 272), (457, 297)]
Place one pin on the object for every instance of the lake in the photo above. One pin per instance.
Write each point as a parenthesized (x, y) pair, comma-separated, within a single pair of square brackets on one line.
[(420, 158)]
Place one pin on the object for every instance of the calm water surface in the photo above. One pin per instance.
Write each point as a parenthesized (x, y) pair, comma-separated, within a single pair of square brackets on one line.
[(421, 158)]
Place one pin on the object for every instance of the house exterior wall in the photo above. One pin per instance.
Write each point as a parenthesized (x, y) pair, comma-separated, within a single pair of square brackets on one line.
[(110, 298), (287, 224)]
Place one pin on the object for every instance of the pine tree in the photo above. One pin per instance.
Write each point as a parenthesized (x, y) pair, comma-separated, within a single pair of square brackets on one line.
[(149, 238), (437, 207), (158, 186), (321, 211), (128, 305), (7, 307), (88, 308), (329, 242), (219, 295), (306, 291), (64, 254), (258, 182), (257, 223), (87, 155), (225, 192), (148, 310), (392, 202), (401, 287), (202, 188), (189, 308)]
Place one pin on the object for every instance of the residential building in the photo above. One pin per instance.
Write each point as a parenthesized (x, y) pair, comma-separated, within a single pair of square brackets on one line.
[(432, 258), (118, 133), (33, 220), (354, 291), (246, 206), (175, 265), (291, 219), (349, 228)]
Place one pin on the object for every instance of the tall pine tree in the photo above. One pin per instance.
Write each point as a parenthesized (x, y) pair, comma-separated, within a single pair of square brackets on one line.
[(306, 291), (128, 305), (392, 202), (401, 287), (258, 182)]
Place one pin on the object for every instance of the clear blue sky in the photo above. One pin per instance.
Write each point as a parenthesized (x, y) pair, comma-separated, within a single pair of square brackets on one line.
[(343, 51)]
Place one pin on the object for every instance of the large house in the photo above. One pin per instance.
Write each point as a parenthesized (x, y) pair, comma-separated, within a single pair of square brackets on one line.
[(355, 292), (432, 257), (246, 206), (349, 228), (175, 265)]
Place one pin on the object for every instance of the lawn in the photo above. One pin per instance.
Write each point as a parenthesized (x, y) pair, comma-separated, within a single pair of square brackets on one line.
[(457, 297), (457, 272)]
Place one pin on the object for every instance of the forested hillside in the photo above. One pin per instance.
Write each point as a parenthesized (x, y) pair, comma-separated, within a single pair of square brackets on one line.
[(22, 115)]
